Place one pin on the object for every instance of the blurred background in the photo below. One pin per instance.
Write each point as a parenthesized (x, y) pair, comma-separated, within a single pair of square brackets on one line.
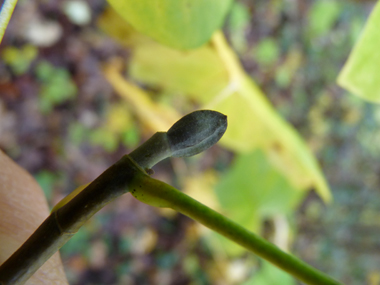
[(79, 88)]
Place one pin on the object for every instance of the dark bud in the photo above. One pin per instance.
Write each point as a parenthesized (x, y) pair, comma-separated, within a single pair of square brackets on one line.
[(196, 132)]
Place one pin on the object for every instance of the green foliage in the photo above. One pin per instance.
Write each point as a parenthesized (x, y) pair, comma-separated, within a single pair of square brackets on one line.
[(361, 73), (322, 17), (262, 189), (239, 17), (56, 86), (131, 137), (238, 21), (78, 243), (117, 126), (266, 52), (181, 24), (19, 59)]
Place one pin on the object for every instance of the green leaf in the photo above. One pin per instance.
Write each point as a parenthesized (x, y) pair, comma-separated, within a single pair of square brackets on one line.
[(182, 24), (361, 73)]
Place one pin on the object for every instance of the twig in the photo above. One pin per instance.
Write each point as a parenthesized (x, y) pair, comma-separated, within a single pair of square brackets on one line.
[(190, 135)]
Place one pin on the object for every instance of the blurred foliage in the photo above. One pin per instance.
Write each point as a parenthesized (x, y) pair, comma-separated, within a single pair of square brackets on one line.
[(177, 23), (198, 73), (293, 50), (270, 275), (46, 180), (361, 73), (252, 191), (243, 104), (238, 21), (56, 86), (118, 126), (266, 52), (19, 59), (322, 16), (287, 70)]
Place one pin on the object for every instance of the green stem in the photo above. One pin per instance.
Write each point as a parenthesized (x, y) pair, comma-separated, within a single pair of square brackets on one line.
[(190, 135), (5, 15), (159, 191)]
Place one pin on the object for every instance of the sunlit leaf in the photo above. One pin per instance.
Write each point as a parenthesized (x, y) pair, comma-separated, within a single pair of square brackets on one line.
[(361, 73), (178, 23)]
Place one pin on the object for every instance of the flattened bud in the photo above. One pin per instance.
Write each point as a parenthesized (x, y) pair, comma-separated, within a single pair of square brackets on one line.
[(196, 132)]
